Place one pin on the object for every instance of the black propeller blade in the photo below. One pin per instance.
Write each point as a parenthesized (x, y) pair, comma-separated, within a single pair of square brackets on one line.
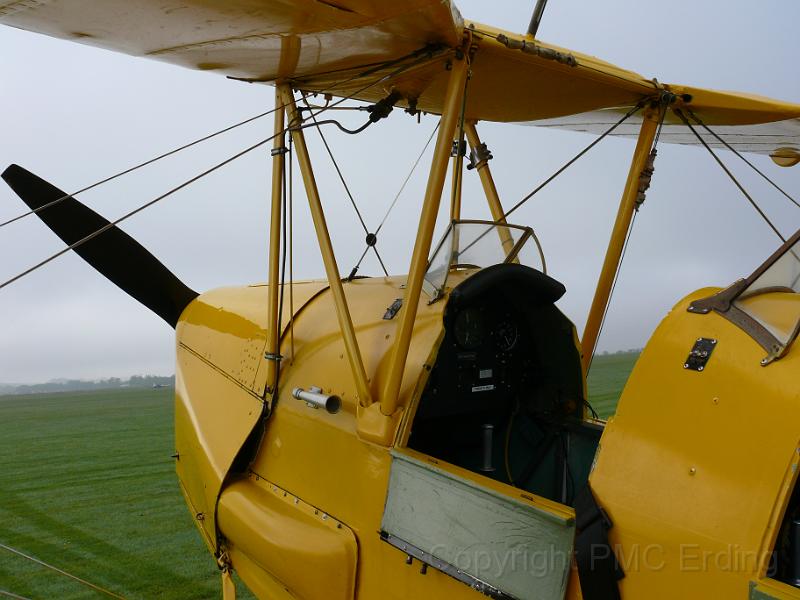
[(114, 253)]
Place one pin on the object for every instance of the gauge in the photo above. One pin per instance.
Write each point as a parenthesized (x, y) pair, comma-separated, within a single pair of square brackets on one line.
[(507, 335), (470, 328)]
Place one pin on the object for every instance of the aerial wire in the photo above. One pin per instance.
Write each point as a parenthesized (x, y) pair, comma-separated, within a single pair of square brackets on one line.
[(196, 178)]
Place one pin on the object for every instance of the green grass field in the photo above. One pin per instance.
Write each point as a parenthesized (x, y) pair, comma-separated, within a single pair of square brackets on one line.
[(87, 484), (607, 377)]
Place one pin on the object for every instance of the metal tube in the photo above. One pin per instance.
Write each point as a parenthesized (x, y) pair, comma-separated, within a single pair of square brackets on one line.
[(488, 448), (455, 198), (489, 188), (536, 18), (314, 398), (422, 245), (627, 204), (326, 248), (273, 318)]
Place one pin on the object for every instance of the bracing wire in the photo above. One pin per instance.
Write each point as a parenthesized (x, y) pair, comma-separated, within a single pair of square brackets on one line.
[(568, 164), (12, 595), (277, 357), (127, 215), (338, 170), (344, 183), (291, 250), (370, 71), (628, 234), (611, 295), (139, 166), (88, 584), (740, 155), (396, 198), (731, 176), (188, 182), (408, 177), (458, 168), (574, 159)]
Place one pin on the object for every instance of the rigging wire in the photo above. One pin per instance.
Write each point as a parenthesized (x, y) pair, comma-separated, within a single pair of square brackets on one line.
[(12, 595), (339, 173), (291, 250), (408, 177), (458, 163), (610, 296), (730, 175), (188, 182), (279, 320), (138, 166), (127, 215), (574, 159), (606, 133), (61, 572), (396, 198), (653, 151), (424, 53), (344, 183), (737, 153)]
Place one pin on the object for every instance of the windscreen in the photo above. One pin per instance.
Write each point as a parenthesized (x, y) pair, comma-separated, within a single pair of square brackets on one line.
[(479, 244)]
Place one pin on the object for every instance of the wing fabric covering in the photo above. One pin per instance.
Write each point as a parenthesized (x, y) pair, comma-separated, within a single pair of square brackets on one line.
[(766, 137), (343, 46), (261, 40), (115, 254)]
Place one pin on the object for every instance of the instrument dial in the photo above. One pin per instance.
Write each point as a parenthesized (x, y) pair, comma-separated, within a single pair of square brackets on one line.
[(507, 335), (470, 329)]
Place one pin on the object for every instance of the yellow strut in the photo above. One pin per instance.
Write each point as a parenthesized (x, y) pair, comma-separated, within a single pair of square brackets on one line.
[(422, 245), (627, 204), (489, 188), (273, 318), (326, 248), (457, 176)]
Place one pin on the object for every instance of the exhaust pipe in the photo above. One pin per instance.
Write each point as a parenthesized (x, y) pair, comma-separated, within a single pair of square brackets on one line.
[(314, 398)]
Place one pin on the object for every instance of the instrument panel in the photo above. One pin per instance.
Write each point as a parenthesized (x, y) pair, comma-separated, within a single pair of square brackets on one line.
[(472, 330)]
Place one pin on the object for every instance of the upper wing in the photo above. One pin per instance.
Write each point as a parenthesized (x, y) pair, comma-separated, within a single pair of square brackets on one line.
[(746, 123), (259, 40), (366, 48)]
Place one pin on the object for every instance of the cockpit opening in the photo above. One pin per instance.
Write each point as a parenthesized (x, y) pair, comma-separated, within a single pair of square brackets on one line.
[(505, 397)]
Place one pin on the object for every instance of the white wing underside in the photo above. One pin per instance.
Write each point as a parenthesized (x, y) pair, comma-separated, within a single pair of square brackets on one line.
[(764, 138)]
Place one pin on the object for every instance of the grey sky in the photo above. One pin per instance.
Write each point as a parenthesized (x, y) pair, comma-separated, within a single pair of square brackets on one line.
[(75, 114)]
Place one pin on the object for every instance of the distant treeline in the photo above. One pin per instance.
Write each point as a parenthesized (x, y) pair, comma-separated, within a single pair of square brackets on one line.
[(74, 385)]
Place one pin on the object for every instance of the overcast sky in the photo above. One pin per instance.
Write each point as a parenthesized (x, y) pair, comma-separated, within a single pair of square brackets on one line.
[(75, 114)]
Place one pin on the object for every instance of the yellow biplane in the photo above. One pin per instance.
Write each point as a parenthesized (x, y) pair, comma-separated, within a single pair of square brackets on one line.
[(428, 435)]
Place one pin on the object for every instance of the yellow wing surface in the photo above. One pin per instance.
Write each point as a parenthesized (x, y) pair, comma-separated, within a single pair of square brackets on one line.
[(369, 48)]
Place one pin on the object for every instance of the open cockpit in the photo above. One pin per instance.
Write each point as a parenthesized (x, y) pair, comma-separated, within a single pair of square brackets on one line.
[(505, 395)]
